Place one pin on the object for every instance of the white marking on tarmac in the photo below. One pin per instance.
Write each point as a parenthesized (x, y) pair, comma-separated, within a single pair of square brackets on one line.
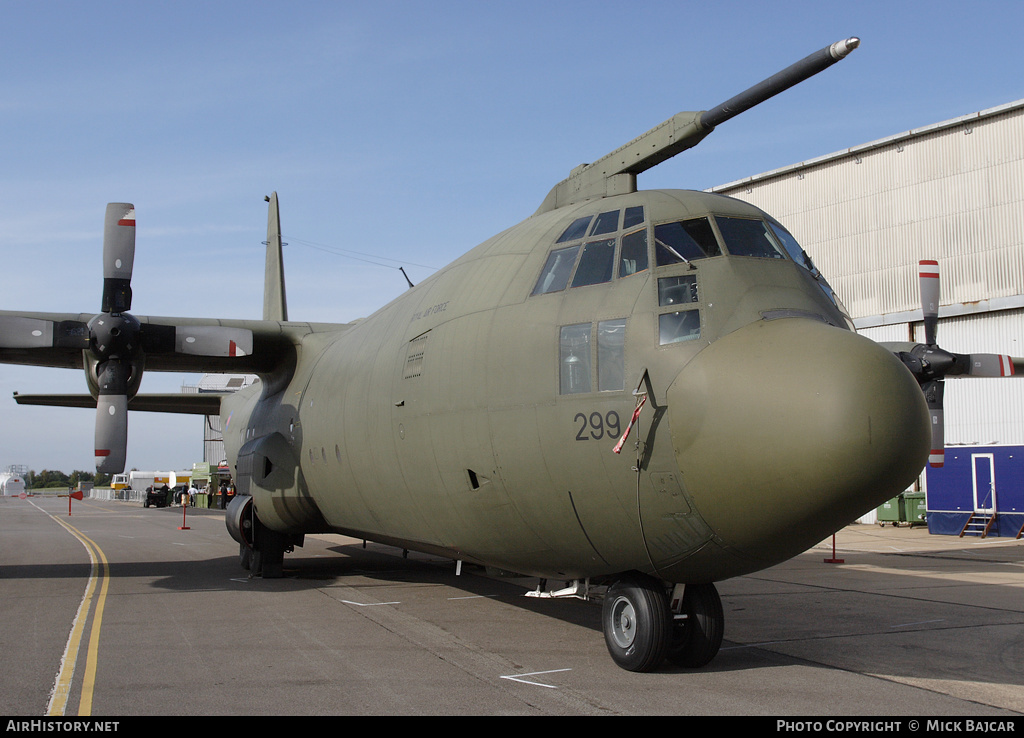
[(920, 622), (519, 678), (369, 604), (752, 645)]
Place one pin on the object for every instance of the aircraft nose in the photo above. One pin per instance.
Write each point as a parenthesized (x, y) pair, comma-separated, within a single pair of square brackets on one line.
[(788, 429)]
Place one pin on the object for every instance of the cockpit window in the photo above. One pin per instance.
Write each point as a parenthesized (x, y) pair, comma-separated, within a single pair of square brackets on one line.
[(800, 256), (556, 270), (795, 251), (574, 359), (577, 229), (677, 327), (633, 216), (596, 263), (745, 237), (677, 290), (606, 223), (633, 254), (611, 341), (687, 240), (598, 257)]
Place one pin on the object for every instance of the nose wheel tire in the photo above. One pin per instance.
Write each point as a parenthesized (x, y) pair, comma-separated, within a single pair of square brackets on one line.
[(637, 623)]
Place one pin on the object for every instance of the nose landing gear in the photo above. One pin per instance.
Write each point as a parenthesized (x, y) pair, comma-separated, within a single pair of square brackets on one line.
[(642, 626)]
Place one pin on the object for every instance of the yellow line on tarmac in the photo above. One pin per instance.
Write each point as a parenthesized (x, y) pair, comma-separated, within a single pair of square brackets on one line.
[(89, 678), (66, 674)]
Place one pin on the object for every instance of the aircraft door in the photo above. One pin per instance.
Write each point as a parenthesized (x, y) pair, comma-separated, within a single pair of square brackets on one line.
[(672, 527)]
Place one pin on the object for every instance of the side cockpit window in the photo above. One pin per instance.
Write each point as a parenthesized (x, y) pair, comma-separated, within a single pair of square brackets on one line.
[(576, 230), (795, 251), (606, 223), (633, 253), (557, 269), (596, 263), (596, 250), (575, 357), (797, 254)]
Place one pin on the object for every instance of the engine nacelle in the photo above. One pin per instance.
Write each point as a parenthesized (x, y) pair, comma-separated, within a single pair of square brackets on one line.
[(269, 472), (91, 364)]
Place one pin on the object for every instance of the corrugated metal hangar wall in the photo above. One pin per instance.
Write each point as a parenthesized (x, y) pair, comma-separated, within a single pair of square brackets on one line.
[(953, 191)]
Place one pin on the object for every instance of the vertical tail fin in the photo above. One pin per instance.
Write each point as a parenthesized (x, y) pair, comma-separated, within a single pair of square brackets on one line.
[(275, 305)]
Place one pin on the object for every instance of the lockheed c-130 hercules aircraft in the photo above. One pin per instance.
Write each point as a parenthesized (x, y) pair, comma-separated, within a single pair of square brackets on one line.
[(634, 393)]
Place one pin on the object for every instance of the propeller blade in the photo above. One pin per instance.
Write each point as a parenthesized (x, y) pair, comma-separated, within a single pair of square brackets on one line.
[(929, 276), (111, 433), (933, 392), (112, 417), (212, 340), (17, 332), (990, 365), (25, 333), (118, 257)]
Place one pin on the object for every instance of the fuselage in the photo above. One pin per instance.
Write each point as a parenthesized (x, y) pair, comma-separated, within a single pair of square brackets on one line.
[(477, 414)]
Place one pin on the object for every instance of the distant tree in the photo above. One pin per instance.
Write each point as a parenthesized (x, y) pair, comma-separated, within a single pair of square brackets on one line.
[(77, 477), (52, 478)]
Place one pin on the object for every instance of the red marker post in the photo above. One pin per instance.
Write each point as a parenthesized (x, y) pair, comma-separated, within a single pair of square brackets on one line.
[(184, 507), (76, 495), (834, 560)]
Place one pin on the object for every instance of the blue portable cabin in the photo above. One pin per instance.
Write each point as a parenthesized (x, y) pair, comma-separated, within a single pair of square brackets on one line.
[(983, 481)]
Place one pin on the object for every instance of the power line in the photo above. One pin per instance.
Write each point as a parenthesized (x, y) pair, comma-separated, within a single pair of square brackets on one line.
[(357, 255)]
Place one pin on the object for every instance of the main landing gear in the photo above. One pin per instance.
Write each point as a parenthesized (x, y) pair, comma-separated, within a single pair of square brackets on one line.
[(643, 625), (260, 549)]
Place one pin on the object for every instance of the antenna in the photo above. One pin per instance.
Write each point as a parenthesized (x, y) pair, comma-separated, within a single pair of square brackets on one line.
[(402, 270)]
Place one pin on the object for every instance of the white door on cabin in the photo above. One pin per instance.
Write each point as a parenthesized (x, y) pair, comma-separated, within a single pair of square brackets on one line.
[(983, 473)]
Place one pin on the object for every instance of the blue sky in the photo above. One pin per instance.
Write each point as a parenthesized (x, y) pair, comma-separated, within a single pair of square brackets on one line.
[(406, 132)]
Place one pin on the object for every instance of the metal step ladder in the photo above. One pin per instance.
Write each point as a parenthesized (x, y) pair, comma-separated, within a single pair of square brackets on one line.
[(978, 524)]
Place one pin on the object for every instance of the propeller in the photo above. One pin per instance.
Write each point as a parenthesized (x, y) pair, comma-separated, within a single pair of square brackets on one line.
[(931, 364), (116, 343), (115, 338)]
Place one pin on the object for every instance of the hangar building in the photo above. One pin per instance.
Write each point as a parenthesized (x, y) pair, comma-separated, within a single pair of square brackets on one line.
[(213, 436), (954, 192)]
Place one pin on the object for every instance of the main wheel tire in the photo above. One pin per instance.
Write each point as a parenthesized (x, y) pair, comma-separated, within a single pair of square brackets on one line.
[(637, 623), (696, 640)]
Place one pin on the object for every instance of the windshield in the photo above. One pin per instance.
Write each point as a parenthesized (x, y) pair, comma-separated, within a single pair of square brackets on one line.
[(687, 240), (801, 257), (747, 237)]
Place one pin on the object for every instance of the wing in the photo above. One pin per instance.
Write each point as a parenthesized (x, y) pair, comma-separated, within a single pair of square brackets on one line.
[(167, 344), (205, 403), (263, 347), (114, 347)]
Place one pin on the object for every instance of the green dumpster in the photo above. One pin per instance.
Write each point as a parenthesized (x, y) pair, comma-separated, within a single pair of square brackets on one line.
[(916, 508), (892, 511)]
